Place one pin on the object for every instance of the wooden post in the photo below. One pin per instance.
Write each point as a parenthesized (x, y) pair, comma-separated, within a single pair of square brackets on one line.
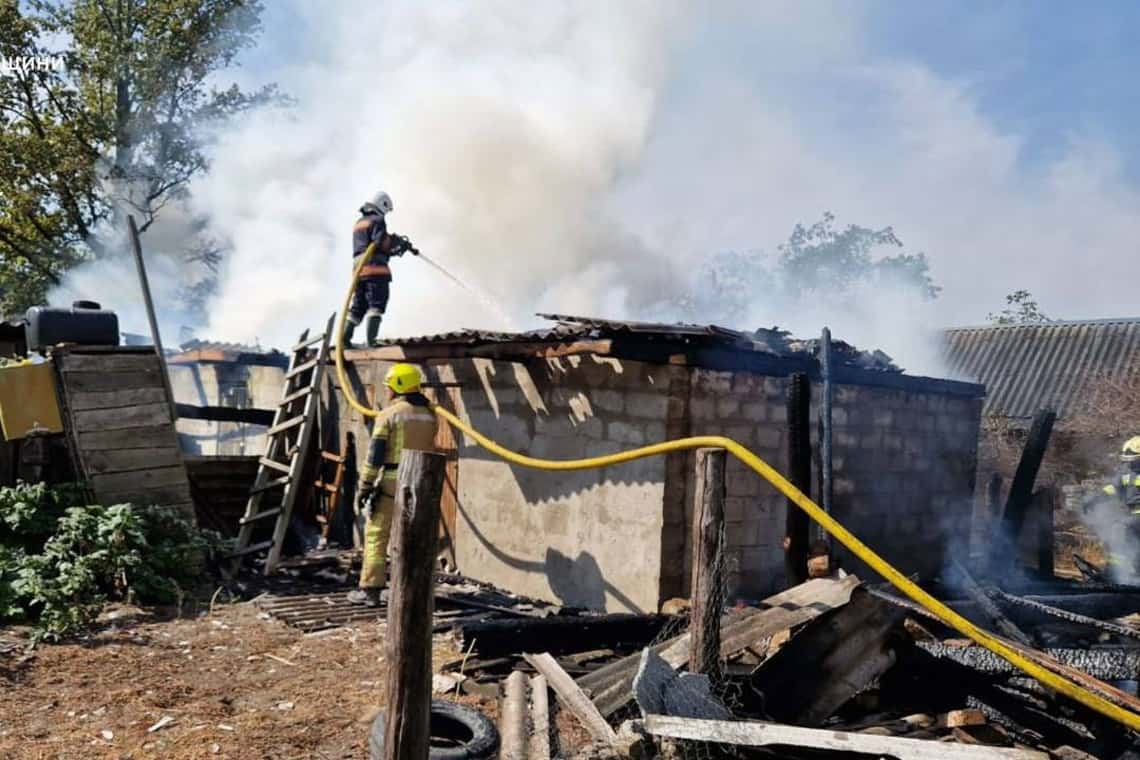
[(410, 605), (825, 440), (1044, 506), (148, 302), (1021, 491), (797, 524), (708, 564)]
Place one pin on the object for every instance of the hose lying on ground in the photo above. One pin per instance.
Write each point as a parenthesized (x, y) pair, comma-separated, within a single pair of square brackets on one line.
[(948, 616)]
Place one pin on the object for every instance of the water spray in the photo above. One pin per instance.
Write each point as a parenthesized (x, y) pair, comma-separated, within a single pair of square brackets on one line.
[(481, 296)]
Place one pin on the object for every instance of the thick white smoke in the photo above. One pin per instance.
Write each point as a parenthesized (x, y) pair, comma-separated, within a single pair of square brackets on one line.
[(497, 127)]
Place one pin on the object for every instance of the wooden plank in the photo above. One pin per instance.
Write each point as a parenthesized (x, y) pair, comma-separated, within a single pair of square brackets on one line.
[(99, 382), (539, 719), (408, 640), (129, 460), (82, 401), (165, 495), (512, 718), (573, 697), (140, 481), (225, 414), (832, 659), (506, 352), (611, 686), (141, 362), (150, 436), (708, 561), (121, 419), (975, 592), (757, 734)]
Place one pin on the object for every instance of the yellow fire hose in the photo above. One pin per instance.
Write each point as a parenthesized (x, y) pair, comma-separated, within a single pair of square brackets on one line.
[(764, 470)]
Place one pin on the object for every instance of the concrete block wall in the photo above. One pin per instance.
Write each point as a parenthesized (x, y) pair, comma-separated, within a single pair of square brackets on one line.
[(751, 409), (904, 473), (591, 538)]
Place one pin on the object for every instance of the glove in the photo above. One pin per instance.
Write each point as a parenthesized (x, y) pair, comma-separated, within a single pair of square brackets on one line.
[(367, 492)]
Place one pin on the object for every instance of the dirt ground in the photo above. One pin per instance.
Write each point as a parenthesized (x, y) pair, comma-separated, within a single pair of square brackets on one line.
[(232, 683)]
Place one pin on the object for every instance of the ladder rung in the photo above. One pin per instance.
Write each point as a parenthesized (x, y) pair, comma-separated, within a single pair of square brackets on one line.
[(294, 396), (260, 516), (320, 485), (265, 462), (301, 368), (286, 425), (338, 458), (308, 342), (252, 549), (271, 484)]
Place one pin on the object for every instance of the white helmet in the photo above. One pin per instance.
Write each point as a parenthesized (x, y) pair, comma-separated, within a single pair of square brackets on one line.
[(381, 201)]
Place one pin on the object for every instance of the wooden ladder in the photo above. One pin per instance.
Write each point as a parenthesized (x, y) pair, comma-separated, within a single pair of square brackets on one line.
[(287, 446)]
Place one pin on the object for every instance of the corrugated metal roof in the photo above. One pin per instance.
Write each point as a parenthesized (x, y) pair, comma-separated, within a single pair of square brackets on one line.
[(1056, 364)]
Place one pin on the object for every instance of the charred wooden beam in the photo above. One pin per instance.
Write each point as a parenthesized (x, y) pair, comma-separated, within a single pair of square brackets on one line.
[(561, 635), (831, 660)]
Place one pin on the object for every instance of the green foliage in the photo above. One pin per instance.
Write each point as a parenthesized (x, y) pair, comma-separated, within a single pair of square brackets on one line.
[(120, 128), (1020, 309), (822, 259), (816, 261), (61, 560)]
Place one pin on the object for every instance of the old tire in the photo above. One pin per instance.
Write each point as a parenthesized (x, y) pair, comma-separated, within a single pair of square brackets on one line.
[(458, 733)]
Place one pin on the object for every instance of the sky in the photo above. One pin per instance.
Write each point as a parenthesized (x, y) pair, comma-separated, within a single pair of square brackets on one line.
[(590, 157)]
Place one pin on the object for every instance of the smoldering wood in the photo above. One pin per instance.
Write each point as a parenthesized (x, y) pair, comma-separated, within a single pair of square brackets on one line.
[(797, 525), (1021, 490), (611, 686), (834, 657), (558, 635), (573, 697)]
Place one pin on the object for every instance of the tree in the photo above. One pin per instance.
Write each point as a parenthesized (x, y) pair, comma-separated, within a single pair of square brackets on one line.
[(117, 129), (822, 259), (815, 260), (1020, 309)]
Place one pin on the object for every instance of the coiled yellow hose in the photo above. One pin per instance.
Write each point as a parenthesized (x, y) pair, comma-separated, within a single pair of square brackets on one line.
[(764, 470)]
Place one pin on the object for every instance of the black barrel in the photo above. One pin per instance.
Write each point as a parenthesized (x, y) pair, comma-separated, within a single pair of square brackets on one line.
[(86, 323)]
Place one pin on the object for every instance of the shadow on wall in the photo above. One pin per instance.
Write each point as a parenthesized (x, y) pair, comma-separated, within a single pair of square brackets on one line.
[(576, 582), (565, 409)]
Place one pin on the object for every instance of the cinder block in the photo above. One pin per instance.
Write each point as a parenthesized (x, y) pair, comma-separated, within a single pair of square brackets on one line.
[(839, 416), (767, 437), (621, 431), (778, 413), (645, 405), (728, 406), (754, 411), (883, 418), (607, 400), (713, 382), (774, 387), (702, 408), (747, 383)]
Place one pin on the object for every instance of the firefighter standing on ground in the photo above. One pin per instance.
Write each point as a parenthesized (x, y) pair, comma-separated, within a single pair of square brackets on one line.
[(1121, 499), (372, 288), (405, 423)]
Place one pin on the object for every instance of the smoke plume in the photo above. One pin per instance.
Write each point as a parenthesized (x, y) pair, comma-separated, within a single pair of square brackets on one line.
[(498, 128)]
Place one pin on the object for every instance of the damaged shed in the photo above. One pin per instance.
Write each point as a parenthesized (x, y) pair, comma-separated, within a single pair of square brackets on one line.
[(618, 538)]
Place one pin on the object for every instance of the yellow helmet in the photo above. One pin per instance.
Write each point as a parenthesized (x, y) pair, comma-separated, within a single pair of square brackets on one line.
[(403, 378), (1130, 451)]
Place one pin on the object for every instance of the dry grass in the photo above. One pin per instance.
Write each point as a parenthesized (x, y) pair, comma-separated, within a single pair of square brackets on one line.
[(221, 678)]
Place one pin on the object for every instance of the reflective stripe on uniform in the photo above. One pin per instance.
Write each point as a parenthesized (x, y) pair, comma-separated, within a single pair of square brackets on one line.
[(401, 425)]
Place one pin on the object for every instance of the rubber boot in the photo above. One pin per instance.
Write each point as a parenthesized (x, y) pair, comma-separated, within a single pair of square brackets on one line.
[(346, 338), (368, 597), (371, 330)]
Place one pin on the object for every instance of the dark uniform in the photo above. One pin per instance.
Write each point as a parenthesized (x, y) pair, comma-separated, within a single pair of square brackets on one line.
[(372, 288), (407, 423)]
